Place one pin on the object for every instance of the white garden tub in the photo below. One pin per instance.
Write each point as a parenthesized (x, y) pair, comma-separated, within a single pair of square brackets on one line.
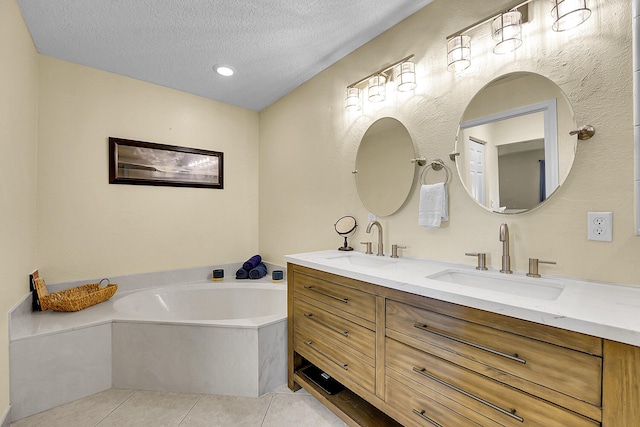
[(166, 331), (219, 338), (239, 304)]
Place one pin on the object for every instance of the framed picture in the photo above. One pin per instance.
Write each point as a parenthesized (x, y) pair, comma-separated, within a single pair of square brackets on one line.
[(148, 163)]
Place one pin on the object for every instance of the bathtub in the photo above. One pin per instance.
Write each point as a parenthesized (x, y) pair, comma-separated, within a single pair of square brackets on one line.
[(164, 331), (236, 304), (215, 338)]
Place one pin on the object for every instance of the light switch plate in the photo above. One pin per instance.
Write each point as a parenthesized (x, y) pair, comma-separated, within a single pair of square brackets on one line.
[(600, 226)]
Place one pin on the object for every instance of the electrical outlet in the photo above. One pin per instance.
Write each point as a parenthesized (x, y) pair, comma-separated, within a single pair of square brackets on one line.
[(600, 226)]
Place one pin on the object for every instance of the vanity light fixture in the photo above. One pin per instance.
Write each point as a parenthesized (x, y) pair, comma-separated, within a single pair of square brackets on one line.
[(506, 29), (568, 14), (377, 88), (402, 72), (507, 32), (458, 53), (405, 76), (354, 99)]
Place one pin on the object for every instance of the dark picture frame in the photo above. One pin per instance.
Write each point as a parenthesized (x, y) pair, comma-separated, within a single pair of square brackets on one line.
[(148, 163)]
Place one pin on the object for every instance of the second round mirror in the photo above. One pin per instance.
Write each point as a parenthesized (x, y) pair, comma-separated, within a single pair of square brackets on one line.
[(514, 144)]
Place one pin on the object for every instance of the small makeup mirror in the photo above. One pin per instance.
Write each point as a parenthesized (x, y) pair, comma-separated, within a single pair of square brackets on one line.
[(346, 227)]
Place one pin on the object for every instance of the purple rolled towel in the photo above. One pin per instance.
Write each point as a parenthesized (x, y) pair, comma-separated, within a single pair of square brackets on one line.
[(252, 262)]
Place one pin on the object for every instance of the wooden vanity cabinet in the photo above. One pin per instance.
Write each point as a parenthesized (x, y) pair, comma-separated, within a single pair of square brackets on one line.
[(425, 362)]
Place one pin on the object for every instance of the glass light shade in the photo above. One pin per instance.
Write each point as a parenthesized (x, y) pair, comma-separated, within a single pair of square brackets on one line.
[(377, 88), (406, 76), (568, 14), (507, 32), (458, 53), (354, 99)]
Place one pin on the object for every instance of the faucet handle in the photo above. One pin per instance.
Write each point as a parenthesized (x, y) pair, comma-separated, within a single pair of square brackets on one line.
[(394, 250), (368, 245), (533, 266), (482, 259)]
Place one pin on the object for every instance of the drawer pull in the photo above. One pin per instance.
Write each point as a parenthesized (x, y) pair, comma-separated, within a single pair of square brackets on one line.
[(424, 417), (511, 413), (325, 324), (342, 365), (344, 300), (515, 357)]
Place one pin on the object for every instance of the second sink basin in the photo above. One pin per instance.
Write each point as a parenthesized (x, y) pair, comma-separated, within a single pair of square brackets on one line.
[(543, 289)]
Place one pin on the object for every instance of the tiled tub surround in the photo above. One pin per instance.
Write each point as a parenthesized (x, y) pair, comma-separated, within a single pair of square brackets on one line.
[(56, 358)]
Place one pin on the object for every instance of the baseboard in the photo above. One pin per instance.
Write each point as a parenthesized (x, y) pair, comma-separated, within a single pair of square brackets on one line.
[(6, 418)]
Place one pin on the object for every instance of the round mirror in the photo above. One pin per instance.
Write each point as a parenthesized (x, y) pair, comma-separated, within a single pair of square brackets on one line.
[(514, 144), (384, 172)]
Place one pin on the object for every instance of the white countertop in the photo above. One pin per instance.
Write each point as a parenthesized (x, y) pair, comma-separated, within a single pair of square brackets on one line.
[(605, 310)]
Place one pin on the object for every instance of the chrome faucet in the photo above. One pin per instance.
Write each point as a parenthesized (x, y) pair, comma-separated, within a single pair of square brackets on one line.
[(506, 259), (380, 248)]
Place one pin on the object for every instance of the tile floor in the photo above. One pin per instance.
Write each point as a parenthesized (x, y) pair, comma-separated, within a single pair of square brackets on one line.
[(137, 408)]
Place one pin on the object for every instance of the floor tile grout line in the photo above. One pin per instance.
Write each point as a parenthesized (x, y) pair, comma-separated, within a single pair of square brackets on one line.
[(200, 396), (267, 411), (117, 406)]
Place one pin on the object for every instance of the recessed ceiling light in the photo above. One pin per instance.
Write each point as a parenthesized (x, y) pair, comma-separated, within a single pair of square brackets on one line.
[(224, 70)]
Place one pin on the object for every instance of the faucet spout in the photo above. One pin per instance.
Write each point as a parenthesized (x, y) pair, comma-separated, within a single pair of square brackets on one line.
[(506, 259), (380, 247)]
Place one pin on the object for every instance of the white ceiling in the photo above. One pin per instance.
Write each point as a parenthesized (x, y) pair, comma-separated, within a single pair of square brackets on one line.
[(273, 45)]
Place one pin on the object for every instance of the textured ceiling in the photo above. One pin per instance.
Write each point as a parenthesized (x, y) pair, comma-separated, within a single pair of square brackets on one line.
[(273, 45)]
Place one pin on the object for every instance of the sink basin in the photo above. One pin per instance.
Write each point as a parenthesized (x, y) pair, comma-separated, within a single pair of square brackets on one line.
[(362, 260), (543, 289)]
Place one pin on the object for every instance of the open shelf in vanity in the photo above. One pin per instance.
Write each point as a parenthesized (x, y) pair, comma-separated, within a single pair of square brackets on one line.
[(423, 362)]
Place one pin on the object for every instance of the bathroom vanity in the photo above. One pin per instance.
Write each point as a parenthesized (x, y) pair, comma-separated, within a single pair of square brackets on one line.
[(420, 343)]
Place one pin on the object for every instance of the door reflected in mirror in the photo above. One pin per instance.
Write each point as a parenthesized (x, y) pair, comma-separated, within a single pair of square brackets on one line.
[(514, 143)]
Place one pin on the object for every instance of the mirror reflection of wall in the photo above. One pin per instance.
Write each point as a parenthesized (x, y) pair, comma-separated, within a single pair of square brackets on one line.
[(385, 174), (514, 143)]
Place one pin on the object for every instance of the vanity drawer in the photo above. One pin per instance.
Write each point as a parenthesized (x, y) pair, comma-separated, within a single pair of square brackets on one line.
[(335, 359), (413, 408), (344, 298), (568, 371), (491, 399), (354, 336)]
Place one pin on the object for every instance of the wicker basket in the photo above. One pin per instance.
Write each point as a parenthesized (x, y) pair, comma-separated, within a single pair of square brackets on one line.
[(74, 299)]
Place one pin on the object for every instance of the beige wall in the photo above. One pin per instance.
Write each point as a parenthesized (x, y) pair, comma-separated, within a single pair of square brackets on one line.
[(18, 121), (88, 228), (308, 144)]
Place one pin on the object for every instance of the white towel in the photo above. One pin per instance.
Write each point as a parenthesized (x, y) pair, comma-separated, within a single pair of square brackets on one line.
[(433, 208)]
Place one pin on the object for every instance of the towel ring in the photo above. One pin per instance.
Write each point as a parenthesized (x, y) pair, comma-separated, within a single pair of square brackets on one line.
[(436, 165)]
